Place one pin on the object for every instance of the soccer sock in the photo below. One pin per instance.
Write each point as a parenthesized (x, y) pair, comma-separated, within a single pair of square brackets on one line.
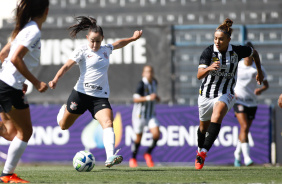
[(154, 144), (211, 135), (246, 152), (201, 138), (134, 149), (238, 151), (15, 152), (109, 141)]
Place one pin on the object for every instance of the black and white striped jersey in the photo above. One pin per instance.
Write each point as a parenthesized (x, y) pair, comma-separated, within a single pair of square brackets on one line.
[(145, 110), (223, 80)]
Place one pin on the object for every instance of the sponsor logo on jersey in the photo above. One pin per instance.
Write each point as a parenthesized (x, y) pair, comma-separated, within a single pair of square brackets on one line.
[(94, 87), (222, 74)]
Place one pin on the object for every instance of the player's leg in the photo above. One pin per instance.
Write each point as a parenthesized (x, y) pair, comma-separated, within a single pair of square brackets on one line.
[(105, 118), (22, 122), (135, 148), (138, 126), (245, 123), (72, 110), (7, 128), (153, 125)]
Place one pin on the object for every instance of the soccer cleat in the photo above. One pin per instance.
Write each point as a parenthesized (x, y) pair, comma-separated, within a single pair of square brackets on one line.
[(12, 179), (249, 163), (113, 160), (237, 163), (133, 162), (61, 113), (200, 159), (148, 159)]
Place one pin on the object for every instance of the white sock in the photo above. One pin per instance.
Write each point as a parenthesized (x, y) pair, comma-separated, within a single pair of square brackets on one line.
[(15, 152), (246, 152), (61, 113), (109, 141), (238, 151)]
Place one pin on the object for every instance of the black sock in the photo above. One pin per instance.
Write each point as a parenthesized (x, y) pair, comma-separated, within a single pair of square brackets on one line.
[(201, 138), (211, 135), (154, 144), (4, 174), (134, 149)]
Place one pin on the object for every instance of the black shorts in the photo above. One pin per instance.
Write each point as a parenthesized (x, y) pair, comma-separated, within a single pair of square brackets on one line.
[(250, 111), (78, 103), (11, 98)]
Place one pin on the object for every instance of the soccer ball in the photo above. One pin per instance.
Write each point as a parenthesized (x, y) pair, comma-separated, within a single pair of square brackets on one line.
[(83, 161)]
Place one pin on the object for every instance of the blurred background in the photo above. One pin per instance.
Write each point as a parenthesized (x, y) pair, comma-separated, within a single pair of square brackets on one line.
[(175, 32)]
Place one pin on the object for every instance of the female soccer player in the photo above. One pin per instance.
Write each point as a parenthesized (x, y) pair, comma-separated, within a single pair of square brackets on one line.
[(91, 91), (245, 106), (24, 55), (143, 114), (217, 70)]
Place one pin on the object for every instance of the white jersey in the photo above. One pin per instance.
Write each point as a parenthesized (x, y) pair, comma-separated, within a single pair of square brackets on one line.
[(93, 79), (28, 37), (246, 84)]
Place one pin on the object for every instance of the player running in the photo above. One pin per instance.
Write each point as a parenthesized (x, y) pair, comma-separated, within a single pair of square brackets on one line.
[(21, 55), (245, 108), (217, 70), (91, 91)]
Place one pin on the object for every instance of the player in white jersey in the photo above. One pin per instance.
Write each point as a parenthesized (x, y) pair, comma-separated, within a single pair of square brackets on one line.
[(21, 55), (245, 107), (91, 91), (217, 70), (143, 114)]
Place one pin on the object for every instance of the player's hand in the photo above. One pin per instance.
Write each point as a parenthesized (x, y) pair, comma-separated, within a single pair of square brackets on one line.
[(25, 88), (41, 87), (52, 84), (280, 101), (257, 91), (214, 66), (137, 34), (153, 96)]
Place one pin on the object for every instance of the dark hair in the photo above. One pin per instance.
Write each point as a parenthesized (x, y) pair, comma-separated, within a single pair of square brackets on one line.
[(225, 27), (250, 44), (26, 10), (85, 23)]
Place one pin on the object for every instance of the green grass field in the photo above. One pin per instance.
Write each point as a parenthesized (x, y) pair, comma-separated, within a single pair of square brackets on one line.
[(160, 174)]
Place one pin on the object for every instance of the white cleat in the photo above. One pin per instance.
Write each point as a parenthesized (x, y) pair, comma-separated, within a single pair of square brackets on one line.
[(114, 160)]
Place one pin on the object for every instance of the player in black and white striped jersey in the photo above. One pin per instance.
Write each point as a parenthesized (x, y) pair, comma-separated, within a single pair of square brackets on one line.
[(143, 114), (217, 70)]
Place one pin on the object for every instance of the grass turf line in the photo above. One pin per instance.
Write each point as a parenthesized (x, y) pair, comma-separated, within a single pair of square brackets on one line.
[(167, 174)]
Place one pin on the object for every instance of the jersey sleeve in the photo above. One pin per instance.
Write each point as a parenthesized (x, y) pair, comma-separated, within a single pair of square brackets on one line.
[(29, 38), (109, 48), (139, 90), (243, 51), (77, 55), (205, 59)]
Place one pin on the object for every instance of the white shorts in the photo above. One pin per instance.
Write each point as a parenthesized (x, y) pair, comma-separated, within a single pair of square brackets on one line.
[(139, 124), (206, 105)]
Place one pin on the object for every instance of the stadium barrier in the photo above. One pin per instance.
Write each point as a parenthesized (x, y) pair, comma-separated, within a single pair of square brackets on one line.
[(178, 142)]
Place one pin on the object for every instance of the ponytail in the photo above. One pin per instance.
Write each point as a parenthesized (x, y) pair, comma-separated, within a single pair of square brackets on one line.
[(225, 27), (85, 23), (25, 11)]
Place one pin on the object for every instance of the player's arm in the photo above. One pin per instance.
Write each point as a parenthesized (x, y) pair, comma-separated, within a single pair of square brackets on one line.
[(5, 51), (17, 60), (61, 72), (138, 99), (123, 42), (203, 72), (256, 58)]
